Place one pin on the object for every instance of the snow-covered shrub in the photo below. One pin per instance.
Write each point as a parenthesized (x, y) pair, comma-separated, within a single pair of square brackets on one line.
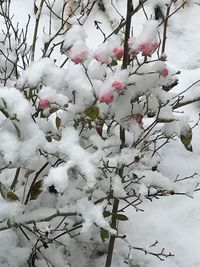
[(81, 135)]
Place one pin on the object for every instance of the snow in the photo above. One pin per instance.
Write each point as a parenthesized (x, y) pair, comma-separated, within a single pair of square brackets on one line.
[(12, 254), (78, 155), (92, 214), (57, 177), (172, 219), (44, 71)]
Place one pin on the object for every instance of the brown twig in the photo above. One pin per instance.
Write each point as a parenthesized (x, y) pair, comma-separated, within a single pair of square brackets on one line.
[(34, 180), (38, 15), (165, 27)]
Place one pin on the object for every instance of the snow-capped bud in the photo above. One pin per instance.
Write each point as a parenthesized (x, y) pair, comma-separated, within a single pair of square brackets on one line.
[(134, 47), (78, 53), (44, 103), (133, 52), (165, 72), (118, 52), (132, 42), (79, 58), (103, 54), (148, 48), (106, 98), (118, 85), (138, 118), (104, 59), (97, 56)]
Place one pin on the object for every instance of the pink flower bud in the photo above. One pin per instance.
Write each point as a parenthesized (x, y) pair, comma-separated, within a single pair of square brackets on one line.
[(138, 118), (106, 98), (96, 56), (118, 52), (148, 48), (165, 72), (79, 58), (118, 85), (104, 59), (134, 51), (43, 103)]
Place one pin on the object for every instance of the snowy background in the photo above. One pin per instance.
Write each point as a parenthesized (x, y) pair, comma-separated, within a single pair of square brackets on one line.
[(174, 221)]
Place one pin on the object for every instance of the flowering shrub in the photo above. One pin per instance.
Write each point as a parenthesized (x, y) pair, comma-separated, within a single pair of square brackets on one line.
[(78, 138)]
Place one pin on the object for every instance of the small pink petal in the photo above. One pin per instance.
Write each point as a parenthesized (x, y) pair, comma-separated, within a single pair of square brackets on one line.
[(44, 103), (79, 58), (133, 51), (101, 58), (118, 85), (96, 56), (148, 48), (118, 52), (106, 98), (165, 72)]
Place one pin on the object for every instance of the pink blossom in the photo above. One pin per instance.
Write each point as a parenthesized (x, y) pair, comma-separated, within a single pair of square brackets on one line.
[(97, 56), (148, 48), (165, 72), (118, 85), (44, 103), (118, 52), (106, 98), (79, 58), (101, 58), (134, 51), (138, 118)]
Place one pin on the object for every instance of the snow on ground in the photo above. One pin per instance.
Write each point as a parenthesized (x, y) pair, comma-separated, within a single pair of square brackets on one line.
[(174, 220)]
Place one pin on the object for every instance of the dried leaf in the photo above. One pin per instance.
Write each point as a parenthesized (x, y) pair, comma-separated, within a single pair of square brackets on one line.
[(3, 190), (28, 173), (35, 9), (58, 122), (6, 194), (53, 110), (186, 138), (12, 196), (36, 190)]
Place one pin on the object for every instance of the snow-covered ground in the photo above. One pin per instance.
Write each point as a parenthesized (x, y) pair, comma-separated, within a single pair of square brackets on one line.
[(174, 221)]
